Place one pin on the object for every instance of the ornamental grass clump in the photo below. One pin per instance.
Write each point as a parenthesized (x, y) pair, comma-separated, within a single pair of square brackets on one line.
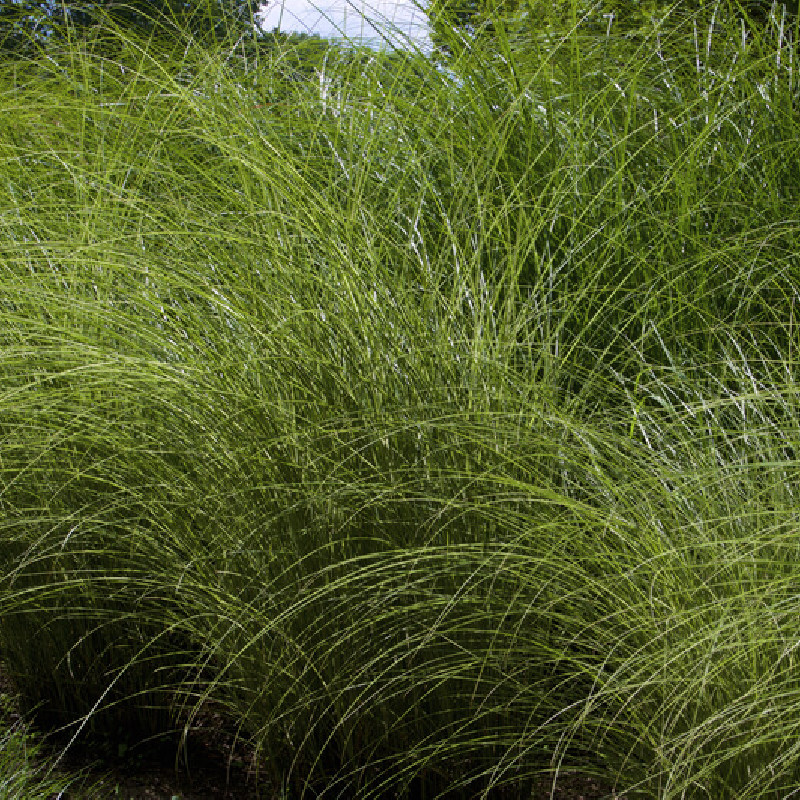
[(436, 427)]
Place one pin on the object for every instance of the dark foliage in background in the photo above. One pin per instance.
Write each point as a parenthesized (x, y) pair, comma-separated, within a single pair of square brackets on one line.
[(454, 23), (26, 25)]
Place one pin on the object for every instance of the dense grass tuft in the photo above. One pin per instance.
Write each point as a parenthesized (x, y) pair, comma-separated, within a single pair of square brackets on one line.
[(438, 426)]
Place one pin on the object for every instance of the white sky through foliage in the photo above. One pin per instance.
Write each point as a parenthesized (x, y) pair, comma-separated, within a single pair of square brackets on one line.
[(354, 19)]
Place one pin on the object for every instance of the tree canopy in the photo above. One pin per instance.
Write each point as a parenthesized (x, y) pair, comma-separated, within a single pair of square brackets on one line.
[(22, 22), (455, 22), (26, 23)]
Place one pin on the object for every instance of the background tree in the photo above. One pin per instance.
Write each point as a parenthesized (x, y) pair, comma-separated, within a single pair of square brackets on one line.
[(212, 18), (454, 23), (22, 23), (25, 24)]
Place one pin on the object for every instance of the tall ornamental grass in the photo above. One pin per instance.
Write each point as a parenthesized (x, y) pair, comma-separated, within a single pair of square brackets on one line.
[(22, 763), (438, 426)]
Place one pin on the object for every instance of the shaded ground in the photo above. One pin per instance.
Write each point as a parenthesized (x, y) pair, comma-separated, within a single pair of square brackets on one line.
[(219, 769), (154, 780), (208, 785), (162, 784)]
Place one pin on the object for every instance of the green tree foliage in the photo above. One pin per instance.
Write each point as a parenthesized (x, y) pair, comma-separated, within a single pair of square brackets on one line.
[(296, 56), (455, 23), (452, 22), (22, 23), (26, 24), (213, 18)]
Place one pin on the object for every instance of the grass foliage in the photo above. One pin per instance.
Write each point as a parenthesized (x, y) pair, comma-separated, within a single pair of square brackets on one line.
[(438, 426), (22, 765)]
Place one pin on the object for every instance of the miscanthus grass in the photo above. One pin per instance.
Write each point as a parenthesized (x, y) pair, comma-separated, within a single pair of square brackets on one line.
[(438, 427), (21, 764)]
